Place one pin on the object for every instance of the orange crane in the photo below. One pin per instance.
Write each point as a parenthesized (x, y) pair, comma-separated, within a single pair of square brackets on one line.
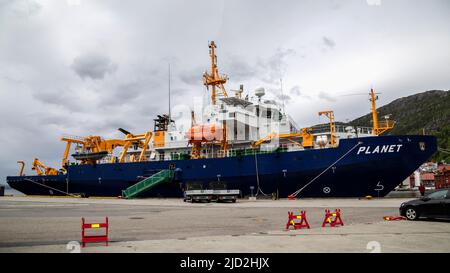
[(96, 145), (306, 135), (215, 80), (136, 139), (196, 145), (90, 144), (42, 169), (22, 166), (330, 115)]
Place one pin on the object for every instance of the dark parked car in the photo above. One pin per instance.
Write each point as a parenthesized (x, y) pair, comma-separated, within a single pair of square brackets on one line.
[(433, 205)]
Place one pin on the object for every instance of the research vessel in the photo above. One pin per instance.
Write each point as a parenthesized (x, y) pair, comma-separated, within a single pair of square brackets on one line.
[(245, 141)]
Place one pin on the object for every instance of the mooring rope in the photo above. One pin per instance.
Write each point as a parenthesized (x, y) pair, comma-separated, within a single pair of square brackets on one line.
[(257, 176), (334, 163), (66, 193)]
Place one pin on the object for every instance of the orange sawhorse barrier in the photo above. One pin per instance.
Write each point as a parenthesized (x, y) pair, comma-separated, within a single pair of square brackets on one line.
[(94, 238), (297, 221), (333, 219)]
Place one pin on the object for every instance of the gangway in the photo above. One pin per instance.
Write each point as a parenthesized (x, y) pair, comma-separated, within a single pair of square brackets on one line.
[(148, 183)]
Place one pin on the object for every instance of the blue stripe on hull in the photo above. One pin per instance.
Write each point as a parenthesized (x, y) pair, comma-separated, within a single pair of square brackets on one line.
[(360, 173)]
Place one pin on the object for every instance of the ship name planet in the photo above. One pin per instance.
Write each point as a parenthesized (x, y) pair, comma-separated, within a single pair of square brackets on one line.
[(380, 149)]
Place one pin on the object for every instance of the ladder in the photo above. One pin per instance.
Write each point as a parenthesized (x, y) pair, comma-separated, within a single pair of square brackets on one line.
[(148, 183)]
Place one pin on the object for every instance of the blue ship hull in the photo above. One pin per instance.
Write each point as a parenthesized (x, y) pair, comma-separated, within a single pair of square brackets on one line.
[(374, 167)]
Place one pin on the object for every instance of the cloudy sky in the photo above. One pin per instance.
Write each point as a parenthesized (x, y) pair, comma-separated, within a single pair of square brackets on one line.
[(88, 67)]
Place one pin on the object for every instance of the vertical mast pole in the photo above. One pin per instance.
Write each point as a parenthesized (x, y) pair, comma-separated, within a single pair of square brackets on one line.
[(374, 112), (213, 71), (170, 116)]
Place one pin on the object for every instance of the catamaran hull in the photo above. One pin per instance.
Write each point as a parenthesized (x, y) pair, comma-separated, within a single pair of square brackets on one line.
[(363, 166)]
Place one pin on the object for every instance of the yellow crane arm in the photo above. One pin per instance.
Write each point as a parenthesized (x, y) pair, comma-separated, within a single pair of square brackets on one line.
[(98, 144), (305, 134), (130, 139), (275, 135), (260, 141), (22, 166), (147, 136), (42, 169), (124, 152), (70, 140), (36, 166)]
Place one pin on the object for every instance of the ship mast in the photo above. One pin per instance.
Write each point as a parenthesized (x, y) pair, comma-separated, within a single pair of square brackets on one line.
[(170, 114), (215, 80), (378, 127)]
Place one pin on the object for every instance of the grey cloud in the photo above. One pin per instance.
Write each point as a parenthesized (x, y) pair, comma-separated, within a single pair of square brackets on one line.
[(325, 96), (55, 120), (269, 70), (239, 69), (59, 97), (132, 93), (20, 8), (128, 91), (295, 91), (336, 4), (192, 77), (11, 79), (92, 65), (179, 91), (275, 65), (284, 97), (328, 42)]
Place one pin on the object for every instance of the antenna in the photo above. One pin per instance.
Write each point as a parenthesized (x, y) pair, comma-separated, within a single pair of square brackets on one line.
[(281, 89), (170, 116)]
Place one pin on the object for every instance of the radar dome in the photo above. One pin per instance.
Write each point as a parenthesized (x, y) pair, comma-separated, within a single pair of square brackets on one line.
[(259, 92)]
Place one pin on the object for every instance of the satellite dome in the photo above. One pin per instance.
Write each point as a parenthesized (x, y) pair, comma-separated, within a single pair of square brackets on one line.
[(259, 92)]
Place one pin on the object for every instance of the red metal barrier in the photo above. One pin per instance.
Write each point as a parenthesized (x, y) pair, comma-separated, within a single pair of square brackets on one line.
[(333, 219), (297, 221), (94, 238)]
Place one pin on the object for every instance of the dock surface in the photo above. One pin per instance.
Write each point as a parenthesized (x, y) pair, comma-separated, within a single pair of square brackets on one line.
[(48, 224)]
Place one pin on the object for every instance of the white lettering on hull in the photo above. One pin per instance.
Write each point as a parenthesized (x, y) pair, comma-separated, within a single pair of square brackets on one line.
[(380, 149)]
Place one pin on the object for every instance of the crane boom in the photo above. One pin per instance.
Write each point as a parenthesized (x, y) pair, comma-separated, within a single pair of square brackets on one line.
[(96, 144), (42, 169), (305, 134)]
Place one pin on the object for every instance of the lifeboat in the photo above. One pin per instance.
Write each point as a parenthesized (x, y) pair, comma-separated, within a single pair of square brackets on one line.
[(205, 133), (90, 155)]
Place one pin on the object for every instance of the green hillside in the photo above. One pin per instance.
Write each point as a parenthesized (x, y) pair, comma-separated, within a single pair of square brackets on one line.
[(427, 112)]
